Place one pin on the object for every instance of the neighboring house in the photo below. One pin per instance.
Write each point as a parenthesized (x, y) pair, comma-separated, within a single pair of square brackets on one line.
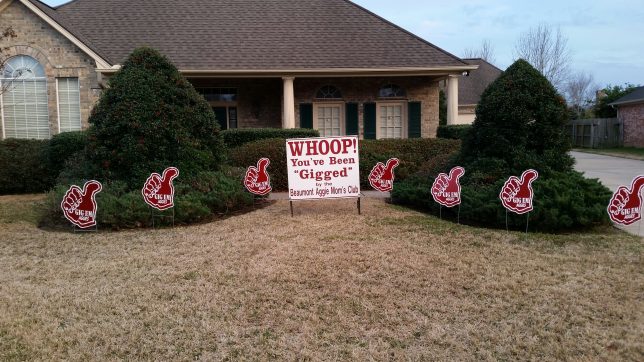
[(326, 64), (630, 110), (470, 87)]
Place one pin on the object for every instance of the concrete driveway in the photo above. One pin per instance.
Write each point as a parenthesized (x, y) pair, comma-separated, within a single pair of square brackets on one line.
[(612, 172)]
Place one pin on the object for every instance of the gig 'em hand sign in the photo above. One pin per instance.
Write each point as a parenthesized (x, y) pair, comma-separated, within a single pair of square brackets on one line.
[(517, 194), (446, 190), (625, 206), (158, 190), (257, 180), (382, 176), (79, 206)]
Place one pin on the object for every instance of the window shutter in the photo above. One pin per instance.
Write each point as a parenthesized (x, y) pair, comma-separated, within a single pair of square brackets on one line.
[(414, 127), (69, 117), (306, 115), (351, 119), (370, 121)]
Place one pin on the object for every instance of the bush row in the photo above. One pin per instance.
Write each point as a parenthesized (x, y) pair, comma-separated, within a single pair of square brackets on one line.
[(562, 201), (210, 195), (31, 166), (417, 156), (454, 132), (240, 136)]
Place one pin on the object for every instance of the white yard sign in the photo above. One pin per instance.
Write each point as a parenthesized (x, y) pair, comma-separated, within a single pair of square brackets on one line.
[(323, 168)]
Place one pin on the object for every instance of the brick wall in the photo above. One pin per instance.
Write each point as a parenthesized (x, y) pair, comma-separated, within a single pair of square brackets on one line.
[(633, 117), (365, 90), (259, 101), (58, 56)]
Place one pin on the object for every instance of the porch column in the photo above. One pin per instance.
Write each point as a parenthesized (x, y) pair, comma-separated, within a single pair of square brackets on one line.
[(452, 99), (288, 115)]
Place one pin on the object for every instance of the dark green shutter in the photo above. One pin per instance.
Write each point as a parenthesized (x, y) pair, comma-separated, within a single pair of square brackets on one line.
[(221, 115), (351, 119), (306, 115), (414, 120), (370, 121)]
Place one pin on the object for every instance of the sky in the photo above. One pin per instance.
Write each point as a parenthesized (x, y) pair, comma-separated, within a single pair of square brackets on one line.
[(605, 38)]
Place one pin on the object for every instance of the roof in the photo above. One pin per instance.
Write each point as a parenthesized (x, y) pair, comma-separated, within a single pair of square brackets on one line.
[(636, 96), (471, 88), (249, 34)]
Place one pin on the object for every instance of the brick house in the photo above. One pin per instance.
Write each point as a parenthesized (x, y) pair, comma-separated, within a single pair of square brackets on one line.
[(326, 64), (630, 110)]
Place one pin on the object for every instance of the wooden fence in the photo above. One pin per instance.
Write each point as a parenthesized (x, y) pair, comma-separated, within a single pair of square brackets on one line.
[(596, 132)]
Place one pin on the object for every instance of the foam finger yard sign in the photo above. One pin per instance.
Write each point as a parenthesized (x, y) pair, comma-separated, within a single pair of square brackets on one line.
[(625, 207), (382, 176), (158, 190), (517, 194), (257, 180), (79, 205), (446, 189)]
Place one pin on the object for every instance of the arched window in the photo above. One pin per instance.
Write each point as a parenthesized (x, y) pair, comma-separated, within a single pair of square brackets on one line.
[(24, 100), (391, 91), (328, 92)]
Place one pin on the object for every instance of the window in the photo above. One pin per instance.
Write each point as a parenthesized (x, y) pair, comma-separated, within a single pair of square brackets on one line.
[(68, 93), (328, 119), (391, 120), (219, 94), (391, 91), (328, 92), (24, 102)]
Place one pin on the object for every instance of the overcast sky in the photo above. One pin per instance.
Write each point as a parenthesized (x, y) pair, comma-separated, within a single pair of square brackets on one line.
[(606, 38)]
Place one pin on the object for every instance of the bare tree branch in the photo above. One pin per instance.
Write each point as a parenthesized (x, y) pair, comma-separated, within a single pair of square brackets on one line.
[(6, 33), (580, 89), (485, 52), (547, 50)]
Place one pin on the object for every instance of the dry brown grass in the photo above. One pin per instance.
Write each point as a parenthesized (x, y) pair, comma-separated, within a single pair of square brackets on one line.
[(325, 285)]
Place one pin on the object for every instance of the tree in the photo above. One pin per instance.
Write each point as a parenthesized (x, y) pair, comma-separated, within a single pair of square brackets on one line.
[(580, 89), (547, 50), (148, 119), (609, 95), (6, 33), (485, 52), (519, 125)]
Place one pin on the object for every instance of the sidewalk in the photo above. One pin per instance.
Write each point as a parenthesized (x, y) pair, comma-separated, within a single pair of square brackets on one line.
[(612, 172)]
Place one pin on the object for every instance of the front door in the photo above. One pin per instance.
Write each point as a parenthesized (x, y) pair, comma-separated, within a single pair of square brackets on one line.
[(226, 116)]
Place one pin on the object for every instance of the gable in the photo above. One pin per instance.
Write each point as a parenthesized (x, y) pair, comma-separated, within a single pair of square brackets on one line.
[(253, 34)]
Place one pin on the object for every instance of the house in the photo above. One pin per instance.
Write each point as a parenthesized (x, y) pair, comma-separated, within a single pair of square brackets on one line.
[(469, 88), (630, 111), (325, 64)]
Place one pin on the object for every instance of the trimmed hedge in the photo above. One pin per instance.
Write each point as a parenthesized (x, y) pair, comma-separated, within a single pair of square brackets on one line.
[(208, 196), (23, 166), (454, 132), (563, 201), (61, 147), (417, 156), (240, 136)]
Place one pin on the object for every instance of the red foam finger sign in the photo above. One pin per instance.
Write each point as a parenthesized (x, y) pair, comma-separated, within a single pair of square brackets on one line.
[(79, 205), (517, 194), (158, 190), (625, 207), (257, 180), (382, 176), (446, 189)]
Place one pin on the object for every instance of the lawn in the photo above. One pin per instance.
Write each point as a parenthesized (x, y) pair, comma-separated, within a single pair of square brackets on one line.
[(328, 284), (635, 153)]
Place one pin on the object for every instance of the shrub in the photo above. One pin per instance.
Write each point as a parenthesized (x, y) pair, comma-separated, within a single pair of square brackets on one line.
[(201, 198), (240, 136), (22, 166), (61, 147), (151, 117), (416, 156), (454, 132), (519, 125), (563, 201)]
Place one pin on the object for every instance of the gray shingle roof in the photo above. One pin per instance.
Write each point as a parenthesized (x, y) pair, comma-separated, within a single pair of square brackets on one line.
[(249, 34), (471, 87), (637, 95)]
